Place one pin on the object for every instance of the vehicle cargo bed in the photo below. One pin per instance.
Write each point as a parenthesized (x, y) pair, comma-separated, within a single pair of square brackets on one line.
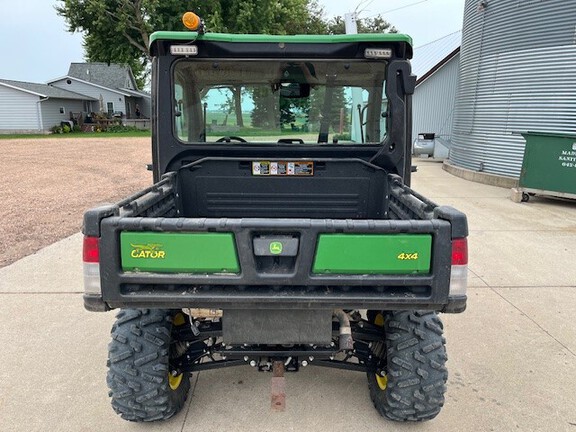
[(186, 202)]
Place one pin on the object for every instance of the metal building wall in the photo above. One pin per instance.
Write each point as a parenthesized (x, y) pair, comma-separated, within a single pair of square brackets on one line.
[(517, 73), (434, 99)]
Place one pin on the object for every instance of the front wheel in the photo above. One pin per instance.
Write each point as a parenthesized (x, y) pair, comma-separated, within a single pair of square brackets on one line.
[(408, 379), (141, 384)]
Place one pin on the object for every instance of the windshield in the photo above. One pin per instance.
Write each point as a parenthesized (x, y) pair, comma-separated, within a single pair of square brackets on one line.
[(300, 102)]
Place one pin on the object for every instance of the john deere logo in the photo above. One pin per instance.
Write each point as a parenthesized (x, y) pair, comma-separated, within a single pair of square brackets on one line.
[(276, 248), (150, 250)]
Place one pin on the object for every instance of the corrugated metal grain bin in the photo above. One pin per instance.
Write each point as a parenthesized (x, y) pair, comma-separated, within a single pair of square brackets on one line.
[(549, 164), (517, 73)]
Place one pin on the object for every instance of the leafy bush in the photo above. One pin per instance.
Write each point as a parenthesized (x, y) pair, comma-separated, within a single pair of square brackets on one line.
[(121, 129), (343, 137), (62, 129)]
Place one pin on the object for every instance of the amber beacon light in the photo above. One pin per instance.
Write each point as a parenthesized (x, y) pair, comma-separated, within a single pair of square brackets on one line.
[(192, 21)]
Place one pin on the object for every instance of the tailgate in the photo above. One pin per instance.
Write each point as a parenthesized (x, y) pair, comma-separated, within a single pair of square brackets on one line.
[(292, 263)]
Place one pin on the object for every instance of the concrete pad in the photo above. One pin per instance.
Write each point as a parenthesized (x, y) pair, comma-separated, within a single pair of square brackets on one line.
[(523, 259), (511, 355), (474, 281), (434, 183), (500, 214), (488, 207), (505, 372), (552, 309), (317, 399), (56, 269), (480, 177), (53, 374)]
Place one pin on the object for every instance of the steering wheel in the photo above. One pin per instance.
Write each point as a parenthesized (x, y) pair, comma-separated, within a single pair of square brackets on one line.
[(231, 138)]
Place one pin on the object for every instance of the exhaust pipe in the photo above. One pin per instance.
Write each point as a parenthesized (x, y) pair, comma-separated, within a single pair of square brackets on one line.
[(345, 340)]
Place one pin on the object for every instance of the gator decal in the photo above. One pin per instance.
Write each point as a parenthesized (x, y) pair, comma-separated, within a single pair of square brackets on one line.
[(152, 251), (179, 252)]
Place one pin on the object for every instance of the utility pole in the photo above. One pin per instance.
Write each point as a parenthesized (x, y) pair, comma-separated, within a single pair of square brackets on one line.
[(350, 23), (356, 130)]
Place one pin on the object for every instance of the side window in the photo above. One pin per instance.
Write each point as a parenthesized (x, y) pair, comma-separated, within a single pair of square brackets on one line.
[(383, 117), (179, 113), (369, 113)]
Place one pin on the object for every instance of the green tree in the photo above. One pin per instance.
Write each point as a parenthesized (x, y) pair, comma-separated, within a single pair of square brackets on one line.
[(338, 108), (118, 31), (265, 112), (291, 109)]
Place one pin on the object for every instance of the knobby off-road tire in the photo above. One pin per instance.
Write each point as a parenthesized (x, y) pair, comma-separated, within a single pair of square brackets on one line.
[(415, 382), (138, 366)]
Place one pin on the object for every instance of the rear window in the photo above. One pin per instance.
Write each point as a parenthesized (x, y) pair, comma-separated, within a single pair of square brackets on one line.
[(302, 102)]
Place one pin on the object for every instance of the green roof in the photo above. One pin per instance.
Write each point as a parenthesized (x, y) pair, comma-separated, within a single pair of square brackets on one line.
[(227, 37)]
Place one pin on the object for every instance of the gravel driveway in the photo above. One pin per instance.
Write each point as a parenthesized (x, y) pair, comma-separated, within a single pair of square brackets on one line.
[(48, 183)]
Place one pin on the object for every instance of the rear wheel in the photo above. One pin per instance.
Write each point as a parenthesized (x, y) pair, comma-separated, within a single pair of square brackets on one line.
[(141, 384), (408, 379)]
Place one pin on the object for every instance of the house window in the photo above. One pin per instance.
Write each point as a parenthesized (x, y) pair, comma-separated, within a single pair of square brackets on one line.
[(61, 110), (110, 106)]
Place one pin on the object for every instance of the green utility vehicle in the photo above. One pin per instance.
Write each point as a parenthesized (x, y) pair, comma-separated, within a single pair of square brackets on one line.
[(281, 231)]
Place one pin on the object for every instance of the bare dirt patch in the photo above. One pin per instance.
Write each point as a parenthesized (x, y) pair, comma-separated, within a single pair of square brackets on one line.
[(48, 183)]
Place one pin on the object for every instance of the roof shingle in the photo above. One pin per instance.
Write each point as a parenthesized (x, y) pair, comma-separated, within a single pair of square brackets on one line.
[(45, 90), (112, 75)]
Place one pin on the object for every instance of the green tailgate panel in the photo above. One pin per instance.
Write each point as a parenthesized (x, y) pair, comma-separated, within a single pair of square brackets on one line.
[(373, 254), (179, 252)]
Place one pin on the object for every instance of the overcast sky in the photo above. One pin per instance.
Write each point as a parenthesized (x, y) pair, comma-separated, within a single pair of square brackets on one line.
[(36, 47)]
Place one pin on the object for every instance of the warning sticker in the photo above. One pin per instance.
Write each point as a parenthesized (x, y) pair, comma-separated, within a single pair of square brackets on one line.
[(261, 168), (280, 168)]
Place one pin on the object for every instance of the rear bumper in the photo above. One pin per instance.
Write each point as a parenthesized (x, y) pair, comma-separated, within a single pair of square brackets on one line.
[(270, 298)]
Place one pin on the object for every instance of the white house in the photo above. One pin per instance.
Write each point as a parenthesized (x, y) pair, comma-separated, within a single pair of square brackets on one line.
[(112, 85), (34, 108), (109, 89)]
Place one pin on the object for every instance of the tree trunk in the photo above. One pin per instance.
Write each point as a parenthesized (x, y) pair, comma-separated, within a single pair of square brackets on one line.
[(238, 105)]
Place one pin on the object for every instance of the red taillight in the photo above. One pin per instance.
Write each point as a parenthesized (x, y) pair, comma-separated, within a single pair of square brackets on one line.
[(91, 250), (460, 251)]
